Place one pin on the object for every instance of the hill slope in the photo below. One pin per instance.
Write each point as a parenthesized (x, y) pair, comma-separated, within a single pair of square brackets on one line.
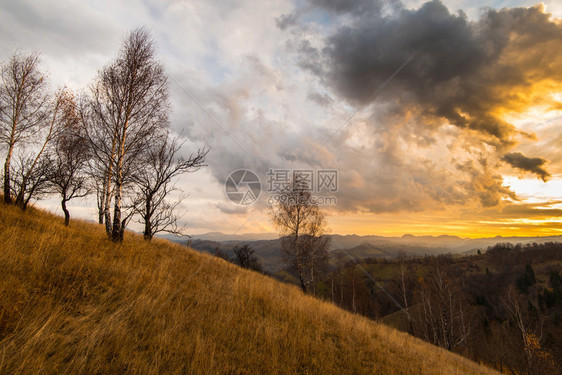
[(71, 301)]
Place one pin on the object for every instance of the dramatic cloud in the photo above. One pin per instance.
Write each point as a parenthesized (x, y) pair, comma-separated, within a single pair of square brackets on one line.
[(462, 72), (419, 107), (424, 71), (533, 165)]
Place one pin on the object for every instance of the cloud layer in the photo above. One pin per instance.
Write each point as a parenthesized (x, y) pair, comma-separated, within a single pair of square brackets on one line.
[(292, 84), (453, 81)]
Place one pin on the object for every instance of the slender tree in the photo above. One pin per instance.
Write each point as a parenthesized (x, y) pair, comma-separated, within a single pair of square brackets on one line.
[(100, 134), (301, 223), (404, 278), (529, 329), (127, 107), (155, 183), (33, 173), (444, 315), (69, 160), (316, 256), (23, 107)]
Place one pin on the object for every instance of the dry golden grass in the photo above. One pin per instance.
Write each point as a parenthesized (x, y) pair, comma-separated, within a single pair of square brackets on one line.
[(72, 302)]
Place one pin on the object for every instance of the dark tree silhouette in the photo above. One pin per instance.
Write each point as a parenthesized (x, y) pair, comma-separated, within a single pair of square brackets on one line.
[(155, 182), (244, 257)]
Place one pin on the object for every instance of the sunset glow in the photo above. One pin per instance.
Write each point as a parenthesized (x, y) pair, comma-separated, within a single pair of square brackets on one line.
[(440, 117)]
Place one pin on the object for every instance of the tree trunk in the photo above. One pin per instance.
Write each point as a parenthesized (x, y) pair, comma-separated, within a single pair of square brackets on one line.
[(147, 234), (107, 189), (7, 192), (107, 215), (117, 236), (20, 196), (301, 278), (116, 231), (122, 229), (101, 201), (106, 211), (66, 213)]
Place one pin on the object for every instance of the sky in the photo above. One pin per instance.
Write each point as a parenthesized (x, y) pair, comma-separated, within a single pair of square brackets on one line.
[(439, 117)]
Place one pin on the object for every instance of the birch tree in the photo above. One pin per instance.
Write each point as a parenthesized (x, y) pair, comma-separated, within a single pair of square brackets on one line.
[(32, 173), (404, 279), (23, 102), (128, 105), (68, 162), (444, 317), (302, 225)]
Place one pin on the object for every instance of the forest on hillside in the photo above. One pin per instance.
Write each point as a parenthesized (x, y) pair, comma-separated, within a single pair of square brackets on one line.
[(501, 307)]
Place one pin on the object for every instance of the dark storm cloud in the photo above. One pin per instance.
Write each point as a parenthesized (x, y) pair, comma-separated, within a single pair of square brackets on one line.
[(345, 6), (365, 8), (461, 71), (533, 165)]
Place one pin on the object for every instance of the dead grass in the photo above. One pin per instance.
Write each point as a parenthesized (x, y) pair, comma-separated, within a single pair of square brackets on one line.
[(72, 302)]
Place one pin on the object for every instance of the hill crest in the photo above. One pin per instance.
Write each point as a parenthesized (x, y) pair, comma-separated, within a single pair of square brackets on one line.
[(72, 301)]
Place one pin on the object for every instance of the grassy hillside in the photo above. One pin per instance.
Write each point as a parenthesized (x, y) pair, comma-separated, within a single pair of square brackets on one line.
[(72, 302)]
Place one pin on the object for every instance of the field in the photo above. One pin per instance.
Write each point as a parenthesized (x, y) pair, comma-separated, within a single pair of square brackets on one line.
[(73, 302)]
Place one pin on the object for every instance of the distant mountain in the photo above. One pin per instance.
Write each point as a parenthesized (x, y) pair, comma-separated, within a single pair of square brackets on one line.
[(483, 243), (268, 249), (433, 244), (347, 241), (219, 236)]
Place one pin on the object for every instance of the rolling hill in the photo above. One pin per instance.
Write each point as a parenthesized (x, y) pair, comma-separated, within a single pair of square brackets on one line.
[(268, 250), (73, 302)]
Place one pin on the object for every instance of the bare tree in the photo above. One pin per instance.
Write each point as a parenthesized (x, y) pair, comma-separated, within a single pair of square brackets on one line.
[(302, 225), (154, 182), (23, 102), (69, 159), (443, 315), (529, 329), (245, 258), (32, 175), (528, 355), (404, 278), (36, 178), (101, 136), (317, 256), (128, 106)]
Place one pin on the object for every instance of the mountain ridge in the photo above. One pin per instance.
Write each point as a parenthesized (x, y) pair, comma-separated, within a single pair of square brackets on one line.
[(269, 250)]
